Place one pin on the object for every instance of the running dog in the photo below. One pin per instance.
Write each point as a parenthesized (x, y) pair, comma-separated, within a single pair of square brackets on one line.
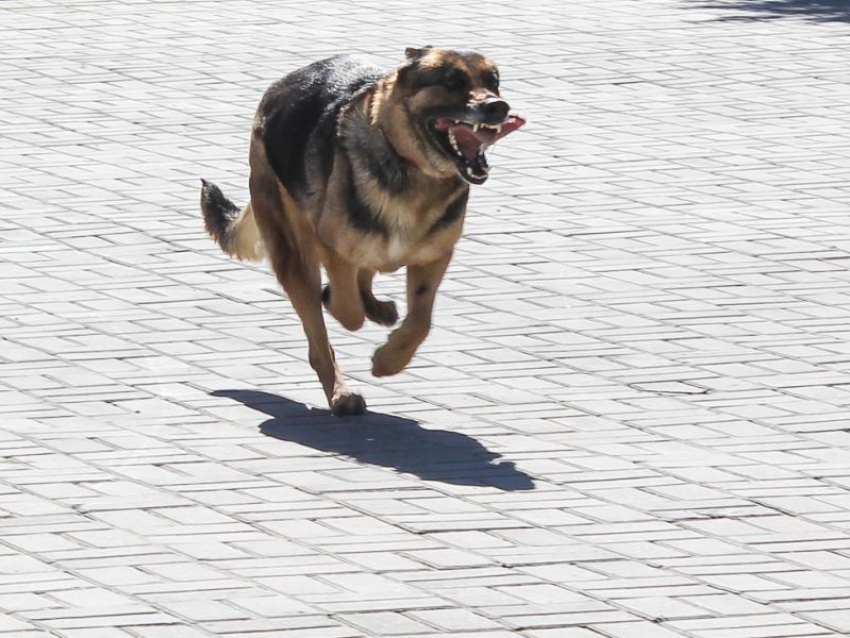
[(360, 170)]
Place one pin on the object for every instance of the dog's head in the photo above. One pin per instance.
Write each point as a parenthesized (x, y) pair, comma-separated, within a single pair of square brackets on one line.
[(452, 100)]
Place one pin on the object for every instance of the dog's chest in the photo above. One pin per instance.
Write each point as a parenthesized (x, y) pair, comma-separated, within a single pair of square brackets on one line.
[(401, 246), (384, 229), (400, 236), (397, 251)]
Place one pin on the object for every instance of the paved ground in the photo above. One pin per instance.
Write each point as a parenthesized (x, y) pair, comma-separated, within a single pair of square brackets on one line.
[(631, 421)]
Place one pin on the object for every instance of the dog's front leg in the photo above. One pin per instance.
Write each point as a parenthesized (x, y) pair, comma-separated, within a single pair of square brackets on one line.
[(342, 294), (381, 312), (422, 284)]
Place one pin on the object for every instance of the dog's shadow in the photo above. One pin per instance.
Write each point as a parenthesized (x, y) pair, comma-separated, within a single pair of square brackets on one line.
[(387, 441)]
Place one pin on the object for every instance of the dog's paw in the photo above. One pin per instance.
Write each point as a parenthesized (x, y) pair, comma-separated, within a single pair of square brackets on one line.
[(388, 361), (382, 312), (348, 405)]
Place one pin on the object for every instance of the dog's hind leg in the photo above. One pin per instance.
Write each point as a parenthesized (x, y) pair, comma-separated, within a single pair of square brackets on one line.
[(422, 284), (381, 312), (298, 271)]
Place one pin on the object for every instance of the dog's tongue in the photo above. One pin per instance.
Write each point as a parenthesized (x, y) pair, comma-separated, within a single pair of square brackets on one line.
[(472, 142)]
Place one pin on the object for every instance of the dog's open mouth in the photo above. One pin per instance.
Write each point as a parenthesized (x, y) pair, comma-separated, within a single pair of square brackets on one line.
[(467, 142)]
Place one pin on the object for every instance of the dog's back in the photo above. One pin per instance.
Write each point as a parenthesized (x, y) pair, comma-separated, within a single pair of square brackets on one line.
[(296, 121), (298, 117)]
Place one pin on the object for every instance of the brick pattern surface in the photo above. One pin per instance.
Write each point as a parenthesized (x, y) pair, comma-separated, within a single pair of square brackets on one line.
[(630, 421)]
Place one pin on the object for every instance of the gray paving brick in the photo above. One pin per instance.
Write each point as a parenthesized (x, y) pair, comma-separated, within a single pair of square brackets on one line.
[(455, 620), (629, 419), (386, 624)]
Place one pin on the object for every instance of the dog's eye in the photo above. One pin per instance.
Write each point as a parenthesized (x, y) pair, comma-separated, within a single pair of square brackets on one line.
[(454, 80), (490, 79)]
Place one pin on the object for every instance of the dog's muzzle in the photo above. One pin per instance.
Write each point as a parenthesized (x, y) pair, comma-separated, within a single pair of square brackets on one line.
[(494, 109), (467, 137)]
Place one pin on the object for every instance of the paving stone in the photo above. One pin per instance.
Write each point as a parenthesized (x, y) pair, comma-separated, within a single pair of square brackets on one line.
[(563, 632), (455, 620), (386, 624), (629, 418)]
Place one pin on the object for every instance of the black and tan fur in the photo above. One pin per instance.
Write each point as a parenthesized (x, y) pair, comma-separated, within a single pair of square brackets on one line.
[(352, 169)]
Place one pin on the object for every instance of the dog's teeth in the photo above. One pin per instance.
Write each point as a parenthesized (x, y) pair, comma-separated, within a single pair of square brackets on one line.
[(453, 142), (498, 128), (475, 128)]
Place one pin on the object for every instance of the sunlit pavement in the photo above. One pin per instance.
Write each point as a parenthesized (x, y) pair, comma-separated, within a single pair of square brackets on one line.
[(630, 421)]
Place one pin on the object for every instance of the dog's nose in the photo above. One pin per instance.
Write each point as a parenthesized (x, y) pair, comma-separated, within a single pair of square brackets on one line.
[(495, 109)]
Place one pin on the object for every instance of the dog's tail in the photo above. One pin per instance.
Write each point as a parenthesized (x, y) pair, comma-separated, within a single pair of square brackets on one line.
[(234, 230)]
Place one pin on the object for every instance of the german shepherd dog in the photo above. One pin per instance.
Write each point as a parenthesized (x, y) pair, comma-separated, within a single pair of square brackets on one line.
[(362, 170)]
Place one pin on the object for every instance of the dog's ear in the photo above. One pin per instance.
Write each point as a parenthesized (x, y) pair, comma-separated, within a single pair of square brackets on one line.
[(414, 53), (412, 57)]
